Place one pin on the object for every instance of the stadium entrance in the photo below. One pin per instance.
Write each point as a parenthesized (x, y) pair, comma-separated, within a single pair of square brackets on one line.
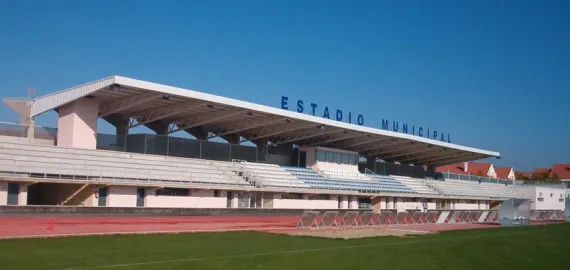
[(60, 194)]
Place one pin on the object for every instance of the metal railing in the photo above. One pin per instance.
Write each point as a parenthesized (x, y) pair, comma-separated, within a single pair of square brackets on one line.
[(474, 178), (21, 131), (521, 183)]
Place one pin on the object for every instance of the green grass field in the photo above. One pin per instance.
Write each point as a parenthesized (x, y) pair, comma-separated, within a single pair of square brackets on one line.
[(536, 247)]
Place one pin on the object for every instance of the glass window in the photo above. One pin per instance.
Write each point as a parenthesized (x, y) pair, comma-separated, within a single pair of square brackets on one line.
[(336, 157), (316, 154), (172, 192), (321, 155), (329, 156)]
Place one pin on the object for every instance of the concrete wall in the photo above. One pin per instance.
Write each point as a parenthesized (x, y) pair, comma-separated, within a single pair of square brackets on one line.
[(310, 155), (468, 205), (3, 193), (198, 199), (23, 195), (77, 124), (550, 199), (353, 202), (306, 203), (122, 196), (343, 202)]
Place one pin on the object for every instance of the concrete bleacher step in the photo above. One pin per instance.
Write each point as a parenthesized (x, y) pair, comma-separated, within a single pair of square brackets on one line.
[(23, 158)]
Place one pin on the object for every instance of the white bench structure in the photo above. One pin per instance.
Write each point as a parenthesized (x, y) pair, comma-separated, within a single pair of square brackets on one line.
[(417, 185), (471, 188), (271, 175), (84, 164)]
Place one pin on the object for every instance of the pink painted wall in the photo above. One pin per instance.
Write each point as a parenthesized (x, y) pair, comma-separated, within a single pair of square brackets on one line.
[(77, 124), (304, 204), (344, 202), (23, 195), (122, 196), (547, 203), (199, 199), (466, 205), (310, 155), (3, 193)]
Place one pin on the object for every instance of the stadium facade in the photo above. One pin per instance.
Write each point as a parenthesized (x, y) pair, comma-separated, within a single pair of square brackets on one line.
[(298, 161)]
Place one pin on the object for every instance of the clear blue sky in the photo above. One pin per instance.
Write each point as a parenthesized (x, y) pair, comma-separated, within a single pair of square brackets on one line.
[(493, 74)]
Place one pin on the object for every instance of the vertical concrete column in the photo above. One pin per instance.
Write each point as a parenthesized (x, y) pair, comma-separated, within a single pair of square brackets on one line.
[(198, 132), (159, 127), (23, 195), (262, 151), (31, 130), (121, 124), (235, 200), (353, 202), (344, 202), (377, 204), (231, 138), (77, 124), (430, 172), (3, 193)]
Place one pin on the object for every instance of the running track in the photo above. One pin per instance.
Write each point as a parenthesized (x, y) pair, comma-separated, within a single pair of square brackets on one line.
[(26, 226)]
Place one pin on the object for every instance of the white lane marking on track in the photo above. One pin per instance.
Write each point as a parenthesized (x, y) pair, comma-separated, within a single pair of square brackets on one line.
[(276, 253)]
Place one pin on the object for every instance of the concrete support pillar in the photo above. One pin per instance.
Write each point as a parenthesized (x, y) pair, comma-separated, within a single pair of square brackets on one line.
[(159, 127), (231, 138), (121, 124), (430, 172), (344, 202), (23, 195), (377, 204), (353, 202), (262, 145), (31, 130), (198, 132), (234, 202), (77, 124)]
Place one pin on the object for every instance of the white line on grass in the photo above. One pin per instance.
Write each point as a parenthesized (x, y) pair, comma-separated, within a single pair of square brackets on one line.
[(277, 253)]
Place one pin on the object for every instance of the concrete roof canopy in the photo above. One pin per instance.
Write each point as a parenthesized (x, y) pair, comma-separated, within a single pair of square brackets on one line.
[(146, 102)]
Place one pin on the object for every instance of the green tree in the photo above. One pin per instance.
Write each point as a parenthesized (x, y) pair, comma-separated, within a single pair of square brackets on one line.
[(521, 176), (540, 176)]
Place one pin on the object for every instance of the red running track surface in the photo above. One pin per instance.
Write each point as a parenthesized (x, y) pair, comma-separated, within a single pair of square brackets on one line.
[(15, 227), (24, 227)]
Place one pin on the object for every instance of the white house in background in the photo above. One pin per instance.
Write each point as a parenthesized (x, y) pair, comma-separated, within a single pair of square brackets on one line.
[(472, 168), (505, 173)]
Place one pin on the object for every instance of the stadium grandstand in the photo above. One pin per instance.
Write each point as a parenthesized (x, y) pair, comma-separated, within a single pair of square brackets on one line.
[(291, 161)]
